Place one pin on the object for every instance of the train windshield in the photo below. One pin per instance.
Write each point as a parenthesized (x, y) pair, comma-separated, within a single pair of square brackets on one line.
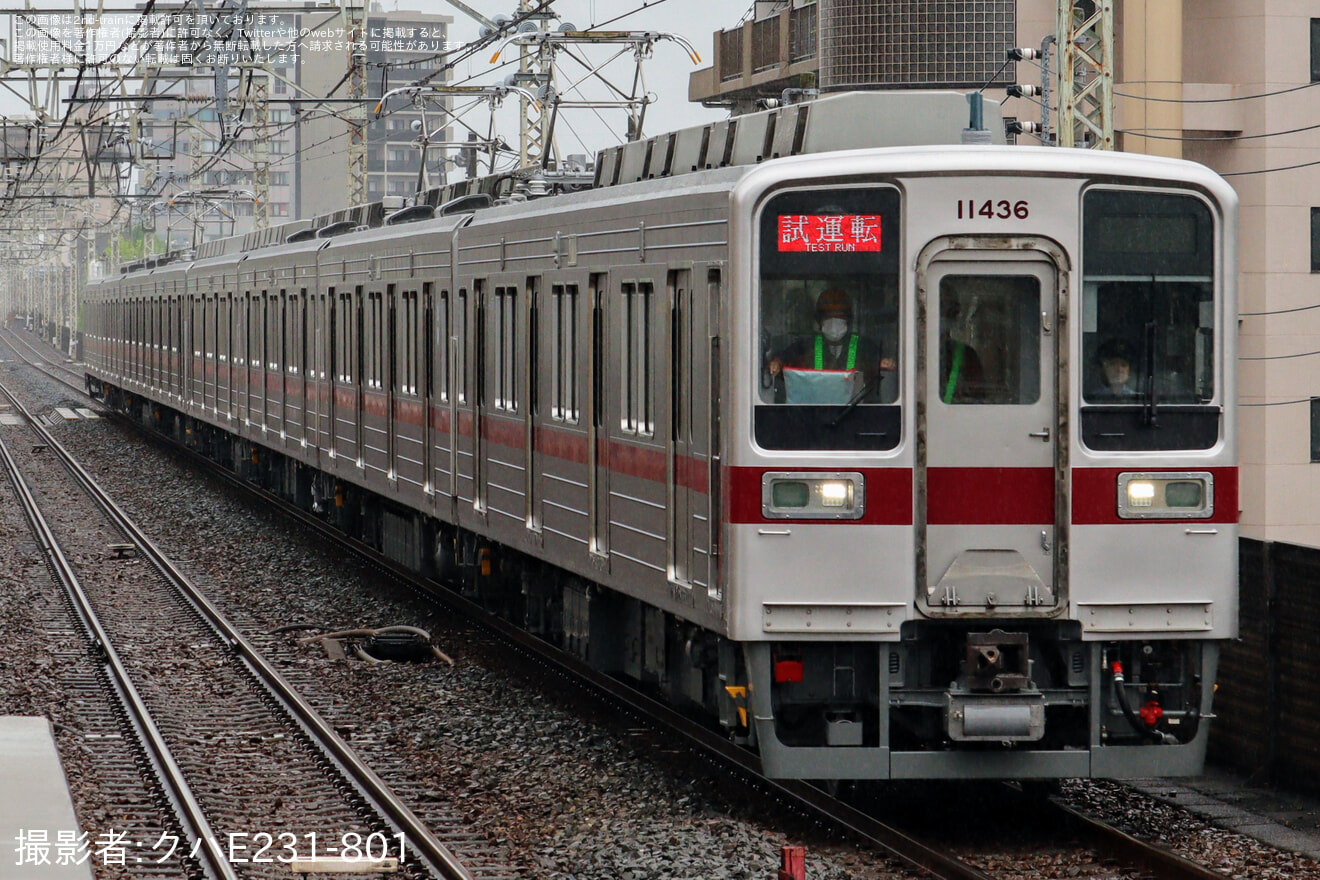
[(1148, 321), (828, 321)]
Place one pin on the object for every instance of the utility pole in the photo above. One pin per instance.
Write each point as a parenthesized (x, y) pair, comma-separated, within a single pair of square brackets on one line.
[(261, 145), (534, 74), (1085, 38), (354, 19)]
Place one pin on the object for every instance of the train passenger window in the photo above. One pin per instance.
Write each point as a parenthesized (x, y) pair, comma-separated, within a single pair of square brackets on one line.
[(636, 360), (377, 338), (827, 350), (460, 340), (506, 334), (407, 357), (440, 368), (1148, 321), (989, 339), (533, 346), (563, 378), (344, 355)]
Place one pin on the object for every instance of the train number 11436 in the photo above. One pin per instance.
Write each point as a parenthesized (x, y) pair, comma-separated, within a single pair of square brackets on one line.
[(970, 209)]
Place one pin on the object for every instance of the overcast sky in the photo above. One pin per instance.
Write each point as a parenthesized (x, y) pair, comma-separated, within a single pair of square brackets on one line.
[(666, 71)]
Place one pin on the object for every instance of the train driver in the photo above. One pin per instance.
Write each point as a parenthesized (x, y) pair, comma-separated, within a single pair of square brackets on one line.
[(833, 348), (1115, 361)]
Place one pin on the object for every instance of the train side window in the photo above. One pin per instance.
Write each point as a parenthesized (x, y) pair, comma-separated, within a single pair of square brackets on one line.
[(410, 362), (289, 323), (598, 350), (403, 341), (413, 363), (506, 332), (679, 309), (365, 339), (645, 355), (533, 347), (460, 343), (627, 378), (303, 318), (563, 372), (636, 358), (387, 339), (442, 338), (361, 338), (348, 319), (277, 353), (222, 322)]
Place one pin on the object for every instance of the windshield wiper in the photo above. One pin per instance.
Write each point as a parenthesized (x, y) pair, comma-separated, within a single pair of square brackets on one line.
[(857, 398), (1150, 402)]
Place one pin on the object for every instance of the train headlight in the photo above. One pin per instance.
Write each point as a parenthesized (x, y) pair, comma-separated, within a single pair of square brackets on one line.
[(807, 495), (1182, 495), (836, 493), (1141, 493)]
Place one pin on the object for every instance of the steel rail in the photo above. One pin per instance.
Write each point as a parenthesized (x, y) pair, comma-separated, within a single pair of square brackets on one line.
[(420, 840), (1128, 849), (189, 812), (810, 799), (1148, 857)]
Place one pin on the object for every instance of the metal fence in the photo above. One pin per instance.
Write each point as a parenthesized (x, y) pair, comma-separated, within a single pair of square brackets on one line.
[(1268, 704)]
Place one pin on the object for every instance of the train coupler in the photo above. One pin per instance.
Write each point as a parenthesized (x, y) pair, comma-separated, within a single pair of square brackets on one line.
[(1016, 717)]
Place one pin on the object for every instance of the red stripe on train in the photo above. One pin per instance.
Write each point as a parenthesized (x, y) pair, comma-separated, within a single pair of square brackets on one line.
[(1095, 495), (989, 496)]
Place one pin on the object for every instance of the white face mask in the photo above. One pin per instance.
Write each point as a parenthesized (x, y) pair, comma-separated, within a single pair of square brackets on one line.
[(834, 329)]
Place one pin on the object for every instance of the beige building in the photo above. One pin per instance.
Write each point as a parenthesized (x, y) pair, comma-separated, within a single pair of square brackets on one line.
[(1204, 81)]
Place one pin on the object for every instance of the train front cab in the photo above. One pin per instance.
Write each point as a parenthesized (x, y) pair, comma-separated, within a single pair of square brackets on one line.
[(979, 560)]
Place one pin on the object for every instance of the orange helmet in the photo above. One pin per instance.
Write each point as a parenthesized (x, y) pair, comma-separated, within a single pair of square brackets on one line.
[(833, 303)]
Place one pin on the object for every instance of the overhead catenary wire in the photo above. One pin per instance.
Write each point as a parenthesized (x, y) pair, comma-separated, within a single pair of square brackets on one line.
[(1255, 97), (1227, 137), (1278, 311)]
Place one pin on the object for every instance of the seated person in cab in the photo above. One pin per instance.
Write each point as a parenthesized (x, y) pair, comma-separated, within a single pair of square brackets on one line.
[(833, 366), (1114, 360)]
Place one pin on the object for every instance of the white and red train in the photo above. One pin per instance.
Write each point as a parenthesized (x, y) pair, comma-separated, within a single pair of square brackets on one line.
[(986, 529)]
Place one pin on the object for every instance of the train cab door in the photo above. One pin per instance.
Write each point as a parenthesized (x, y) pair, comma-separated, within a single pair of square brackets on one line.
[(989, 510)]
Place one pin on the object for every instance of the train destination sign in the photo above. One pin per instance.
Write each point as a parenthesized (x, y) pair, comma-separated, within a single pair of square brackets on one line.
[(829, 233)]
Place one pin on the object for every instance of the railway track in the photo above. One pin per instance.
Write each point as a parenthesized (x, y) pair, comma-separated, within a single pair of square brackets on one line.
[(930, 860), (197, 740)]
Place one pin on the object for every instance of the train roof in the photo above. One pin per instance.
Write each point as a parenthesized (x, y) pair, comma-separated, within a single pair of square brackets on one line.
[(828, 123), (878, 129)]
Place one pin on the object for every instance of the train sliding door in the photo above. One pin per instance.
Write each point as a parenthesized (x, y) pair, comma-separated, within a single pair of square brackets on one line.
[(992, 501), (681, 464)]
